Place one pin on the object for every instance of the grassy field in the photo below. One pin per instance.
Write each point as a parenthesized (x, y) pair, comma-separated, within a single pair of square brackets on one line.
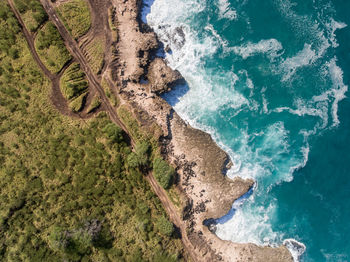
[(51, 49), (111, 97), (95, 50), (95, 103), (33, 14), (75, 15), (74, 86), (67, 189)]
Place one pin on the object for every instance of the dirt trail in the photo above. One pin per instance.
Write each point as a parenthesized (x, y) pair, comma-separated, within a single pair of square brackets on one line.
[(73, 47), (77, 53), (174, 217), (56, 96)]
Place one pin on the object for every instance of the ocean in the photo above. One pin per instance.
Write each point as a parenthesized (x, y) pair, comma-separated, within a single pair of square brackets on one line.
[(269, 81)]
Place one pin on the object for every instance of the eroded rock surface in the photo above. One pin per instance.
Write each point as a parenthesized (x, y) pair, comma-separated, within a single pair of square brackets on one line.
[(199, 161)]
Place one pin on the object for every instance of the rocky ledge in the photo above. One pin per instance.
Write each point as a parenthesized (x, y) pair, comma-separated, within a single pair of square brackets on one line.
[(199, 162)]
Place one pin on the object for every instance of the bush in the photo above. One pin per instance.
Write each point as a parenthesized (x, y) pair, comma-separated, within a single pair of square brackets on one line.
[(77, 104), (114, 133), (133, 160), (58, 239), (140, 158), (163, 173), (165, 227), (143, 150)]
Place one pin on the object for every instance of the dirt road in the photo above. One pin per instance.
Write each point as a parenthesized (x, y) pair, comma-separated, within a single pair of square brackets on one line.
[(56, 96), (76, 52), (73, 47), (60, 102)]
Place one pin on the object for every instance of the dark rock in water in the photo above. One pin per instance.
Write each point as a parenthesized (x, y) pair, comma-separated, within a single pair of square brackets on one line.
[(178, 37), (211, 224), (296, 248)]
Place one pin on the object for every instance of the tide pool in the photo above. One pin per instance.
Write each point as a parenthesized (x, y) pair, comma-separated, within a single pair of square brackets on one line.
[(269, 80)]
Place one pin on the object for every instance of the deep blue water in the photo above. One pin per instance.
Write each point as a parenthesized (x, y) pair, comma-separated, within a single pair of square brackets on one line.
[(269, 79)]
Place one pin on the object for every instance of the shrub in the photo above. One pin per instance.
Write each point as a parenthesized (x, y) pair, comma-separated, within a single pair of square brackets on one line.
[(114, 133), (58, 239), (133, 160), (163, 172), (139, 158), (142, 150), (164, 226)]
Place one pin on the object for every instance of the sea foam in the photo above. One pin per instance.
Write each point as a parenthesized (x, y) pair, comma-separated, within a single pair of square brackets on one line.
[(214, 102), (225, 10), (269, 47)]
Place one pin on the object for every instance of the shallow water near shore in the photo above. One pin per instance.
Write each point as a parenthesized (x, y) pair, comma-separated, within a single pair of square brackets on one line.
[(269, 80)]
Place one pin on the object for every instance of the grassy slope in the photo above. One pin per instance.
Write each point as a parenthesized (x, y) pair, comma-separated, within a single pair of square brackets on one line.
[(33, 14), (65, 185), (76, 17), (51, 49), (95, 51)]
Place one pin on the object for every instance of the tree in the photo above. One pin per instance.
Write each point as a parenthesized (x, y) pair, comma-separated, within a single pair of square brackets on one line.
[(114, 133), (59, 239), (164, 226), (133, 160), (163, 172), (142, 150)]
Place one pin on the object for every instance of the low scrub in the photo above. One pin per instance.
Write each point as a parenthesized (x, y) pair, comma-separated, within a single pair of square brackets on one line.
[(73, 82), (76, 17), (33, 13), (51, 48), (163, 173)]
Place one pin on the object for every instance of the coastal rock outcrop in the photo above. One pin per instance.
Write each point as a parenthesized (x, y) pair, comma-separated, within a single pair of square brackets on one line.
[(161, 77), (200, 163)]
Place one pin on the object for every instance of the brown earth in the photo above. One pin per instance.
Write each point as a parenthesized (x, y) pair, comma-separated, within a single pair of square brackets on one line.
[(56, 96)]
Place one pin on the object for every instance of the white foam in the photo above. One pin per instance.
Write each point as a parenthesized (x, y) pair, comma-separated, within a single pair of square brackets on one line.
[(332, 26), (211, 29), (304, 57), (249, 225), (169, 19), (339, 88), (226, 11), (211, 90), (296, 248), (269, 47)]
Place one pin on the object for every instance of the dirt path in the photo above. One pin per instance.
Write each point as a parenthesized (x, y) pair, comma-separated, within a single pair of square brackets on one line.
[(73, 47), (56, 96), (76, 52), (174, 217)]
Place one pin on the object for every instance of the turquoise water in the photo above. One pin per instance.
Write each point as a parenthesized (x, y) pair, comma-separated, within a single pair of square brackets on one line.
[(268, 79)]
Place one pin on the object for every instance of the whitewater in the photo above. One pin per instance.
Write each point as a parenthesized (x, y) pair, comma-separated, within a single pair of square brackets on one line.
[(268, 80)]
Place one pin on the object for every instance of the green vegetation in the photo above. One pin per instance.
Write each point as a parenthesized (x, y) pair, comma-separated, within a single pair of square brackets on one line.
[(73, 82), (74, 87), (32, 12), (140, 158), (76, 17), (95, 50), (111, 97), (165, 226), (67, 191), (9, 28), (77, 104), (163, 173), (51, 49), (95, 103), (111, 22), (130, 123)]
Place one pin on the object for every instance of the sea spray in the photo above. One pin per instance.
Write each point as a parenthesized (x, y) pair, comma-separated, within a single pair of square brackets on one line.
[(265, 91)]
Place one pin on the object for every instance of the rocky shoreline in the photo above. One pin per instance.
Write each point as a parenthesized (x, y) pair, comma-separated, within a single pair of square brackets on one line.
[(199, 162)]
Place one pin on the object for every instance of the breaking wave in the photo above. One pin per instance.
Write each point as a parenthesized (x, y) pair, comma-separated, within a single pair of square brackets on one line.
[(258, 111)]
